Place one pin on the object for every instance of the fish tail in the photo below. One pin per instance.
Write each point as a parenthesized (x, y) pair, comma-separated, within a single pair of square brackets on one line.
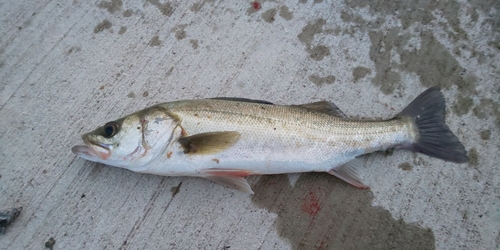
[(434, 138)]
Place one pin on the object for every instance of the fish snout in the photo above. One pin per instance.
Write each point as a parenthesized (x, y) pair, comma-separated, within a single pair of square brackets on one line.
[(92, 150)]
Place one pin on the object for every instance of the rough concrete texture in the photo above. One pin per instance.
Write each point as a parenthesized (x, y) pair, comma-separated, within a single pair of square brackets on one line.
[(69, 66)]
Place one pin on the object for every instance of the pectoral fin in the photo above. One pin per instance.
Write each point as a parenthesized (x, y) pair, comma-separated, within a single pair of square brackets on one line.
[(324, 107), (232, 178), (209, 143), (349, 173)]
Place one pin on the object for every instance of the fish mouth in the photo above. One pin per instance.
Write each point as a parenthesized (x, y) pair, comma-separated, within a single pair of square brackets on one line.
[(92, 151)]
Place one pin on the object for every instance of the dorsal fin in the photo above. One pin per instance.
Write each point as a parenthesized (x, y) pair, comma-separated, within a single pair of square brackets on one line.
[(324, 107), (237, 99)]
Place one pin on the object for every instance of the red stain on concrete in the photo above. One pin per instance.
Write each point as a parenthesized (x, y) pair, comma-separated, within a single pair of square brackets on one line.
[(311, 204), (321, 246), (256, 5)]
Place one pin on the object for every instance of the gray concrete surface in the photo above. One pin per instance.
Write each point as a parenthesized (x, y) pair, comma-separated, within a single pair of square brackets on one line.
[(69, 66)]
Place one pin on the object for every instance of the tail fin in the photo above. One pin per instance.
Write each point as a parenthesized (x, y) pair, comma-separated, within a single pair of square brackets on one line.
[(435, 139)]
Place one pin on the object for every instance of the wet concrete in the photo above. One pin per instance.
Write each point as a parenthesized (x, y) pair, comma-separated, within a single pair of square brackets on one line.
[(323, 212)]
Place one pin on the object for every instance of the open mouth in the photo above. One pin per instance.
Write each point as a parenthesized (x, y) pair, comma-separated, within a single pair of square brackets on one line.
[(92, 151)]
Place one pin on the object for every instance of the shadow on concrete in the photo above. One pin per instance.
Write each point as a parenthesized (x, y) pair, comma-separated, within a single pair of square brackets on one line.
[(322, 212)]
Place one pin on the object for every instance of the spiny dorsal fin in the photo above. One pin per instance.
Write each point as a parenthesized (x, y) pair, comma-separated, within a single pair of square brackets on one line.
[(209, 143), (237, 99), (324, 107)]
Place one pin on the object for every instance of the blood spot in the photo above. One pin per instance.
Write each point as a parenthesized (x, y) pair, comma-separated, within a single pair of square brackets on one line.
[(311, 204), (256, 5)]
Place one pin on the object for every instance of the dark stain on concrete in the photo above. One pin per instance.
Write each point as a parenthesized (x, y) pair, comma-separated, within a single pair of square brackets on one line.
[(198, 6), (410, 12), (485, 134), (49, 244), (392, 79), (128, 13), (312, 28), (357, 23), (490, 23), (194, 43), (435, 65), (175, 190), (73, 49), (462, 105), (169, 72), (322, 80), (431, 62), (145, 94), (494, 44), (131, 95), (285, 13), (473, 157), (323, 212), (488, 108), (380, 54), (166, 8), (155, 41), (104, 25), (306, 37), (269, 15), (180, 33), (318, 52), (112, 6), (354, 23), (360, 72), (480, 110), (406, 166), (122, 30)]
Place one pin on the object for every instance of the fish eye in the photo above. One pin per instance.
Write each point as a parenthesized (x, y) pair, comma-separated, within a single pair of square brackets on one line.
[(110, 129)]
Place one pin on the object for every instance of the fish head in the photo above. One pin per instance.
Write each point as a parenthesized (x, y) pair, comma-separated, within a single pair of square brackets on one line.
[(130, 142)]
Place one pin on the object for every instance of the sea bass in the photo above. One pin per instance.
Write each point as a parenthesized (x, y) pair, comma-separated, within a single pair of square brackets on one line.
[(226, 139)]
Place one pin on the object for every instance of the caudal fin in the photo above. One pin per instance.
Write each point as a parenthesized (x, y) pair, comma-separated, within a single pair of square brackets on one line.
[(434, 137)]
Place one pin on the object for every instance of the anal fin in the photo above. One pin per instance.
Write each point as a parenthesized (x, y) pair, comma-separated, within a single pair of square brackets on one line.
[(348, 172), (232, 178)]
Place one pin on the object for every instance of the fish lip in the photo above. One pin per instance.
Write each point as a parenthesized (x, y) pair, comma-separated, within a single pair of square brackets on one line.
[(91, 149)]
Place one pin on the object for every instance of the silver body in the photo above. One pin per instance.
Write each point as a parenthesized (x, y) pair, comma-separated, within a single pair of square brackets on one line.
[(225, 140), (274, 139)]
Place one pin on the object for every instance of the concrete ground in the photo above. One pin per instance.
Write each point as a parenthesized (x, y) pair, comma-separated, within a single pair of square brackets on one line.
[(67, 67)]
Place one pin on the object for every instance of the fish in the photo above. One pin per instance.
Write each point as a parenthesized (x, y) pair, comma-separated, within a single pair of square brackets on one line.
[(227, 139)]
